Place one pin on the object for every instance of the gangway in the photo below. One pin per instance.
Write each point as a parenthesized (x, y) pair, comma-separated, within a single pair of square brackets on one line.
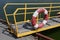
[(24, 27)]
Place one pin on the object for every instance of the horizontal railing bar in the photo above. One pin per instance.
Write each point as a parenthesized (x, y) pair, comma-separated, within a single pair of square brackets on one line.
[(54, 10), (15, 3), (20, 13), (21, 22), (29, 3), (38, 7), (43, 3), (9, 14)]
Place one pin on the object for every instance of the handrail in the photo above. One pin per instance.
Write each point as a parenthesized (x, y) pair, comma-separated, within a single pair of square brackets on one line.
[(24, 3), (29, 7), (25, 12), (30, 3), (33, 8), (25, 8), (39, 7), (28, 13), (50, 9)]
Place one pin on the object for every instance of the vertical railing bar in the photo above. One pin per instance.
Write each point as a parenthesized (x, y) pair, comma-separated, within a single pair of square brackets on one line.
[(50, 9), (7, 19), (37, 18), (15, 22), (6, 15), (25, 12)]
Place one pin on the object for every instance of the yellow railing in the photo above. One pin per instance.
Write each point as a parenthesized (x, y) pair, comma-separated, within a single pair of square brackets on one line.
[(28, 8)]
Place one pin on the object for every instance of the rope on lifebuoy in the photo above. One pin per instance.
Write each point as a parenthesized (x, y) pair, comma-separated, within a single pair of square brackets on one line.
[(36, 13)]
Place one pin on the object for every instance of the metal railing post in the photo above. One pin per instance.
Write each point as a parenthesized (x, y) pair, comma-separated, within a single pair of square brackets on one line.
[(50, 9), (15, 21), (6, 16), (25, 12)]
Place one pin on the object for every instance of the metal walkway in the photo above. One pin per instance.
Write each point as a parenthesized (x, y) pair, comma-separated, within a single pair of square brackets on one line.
[(28, 28), (7, 36)]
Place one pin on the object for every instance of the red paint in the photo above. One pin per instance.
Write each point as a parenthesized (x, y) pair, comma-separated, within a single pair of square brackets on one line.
[(40, 25)]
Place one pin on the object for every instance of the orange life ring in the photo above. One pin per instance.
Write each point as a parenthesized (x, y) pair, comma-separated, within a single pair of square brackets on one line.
[(38, 11)]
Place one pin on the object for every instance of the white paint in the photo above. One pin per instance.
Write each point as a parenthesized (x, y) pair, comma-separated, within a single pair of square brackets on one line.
[(44, 22), (36, 26), (35, 14), (46, 12)]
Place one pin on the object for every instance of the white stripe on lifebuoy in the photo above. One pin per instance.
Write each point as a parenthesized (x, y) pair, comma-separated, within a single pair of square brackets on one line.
[(46, 12), (36, 25), (40, 10), (44, 22), (35, 14)]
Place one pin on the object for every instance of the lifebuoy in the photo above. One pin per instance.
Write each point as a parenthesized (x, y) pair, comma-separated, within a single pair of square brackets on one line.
[(38, 11)]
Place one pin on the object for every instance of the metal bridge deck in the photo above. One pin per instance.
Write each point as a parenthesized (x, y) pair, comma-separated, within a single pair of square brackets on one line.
[(7, 36), (28, 26)]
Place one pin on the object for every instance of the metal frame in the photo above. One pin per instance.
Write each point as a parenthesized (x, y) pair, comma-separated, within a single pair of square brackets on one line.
[(25, 9)]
